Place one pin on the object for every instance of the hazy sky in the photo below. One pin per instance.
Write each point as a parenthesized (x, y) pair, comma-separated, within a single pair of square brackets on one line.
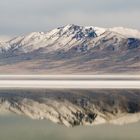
[(23, 16)]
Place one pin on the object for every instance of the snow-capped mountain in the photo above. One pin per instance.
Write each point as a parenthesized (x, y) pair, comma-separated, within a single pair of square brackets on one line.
[(74, 107), (58, 39), (62, 38), (72, 48)]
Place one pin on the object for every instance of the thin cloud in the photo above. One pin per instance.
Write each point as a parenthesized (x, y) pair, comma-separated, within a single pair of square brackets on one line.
[(21, 16)]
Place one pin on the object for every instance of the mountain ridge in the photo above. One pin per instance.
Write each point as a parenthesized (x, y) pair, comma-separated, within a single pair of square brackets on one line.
[(89, 31), (73, 49)]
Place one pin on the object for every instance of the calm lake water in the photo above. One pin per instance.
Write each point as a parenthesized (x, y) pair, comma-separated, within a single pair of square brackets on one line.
[(14, 127)]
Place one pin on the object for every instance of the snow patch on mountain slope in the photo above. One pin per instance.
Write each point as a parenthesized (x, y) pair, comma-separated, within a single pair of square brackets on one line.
[(126, 32)]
